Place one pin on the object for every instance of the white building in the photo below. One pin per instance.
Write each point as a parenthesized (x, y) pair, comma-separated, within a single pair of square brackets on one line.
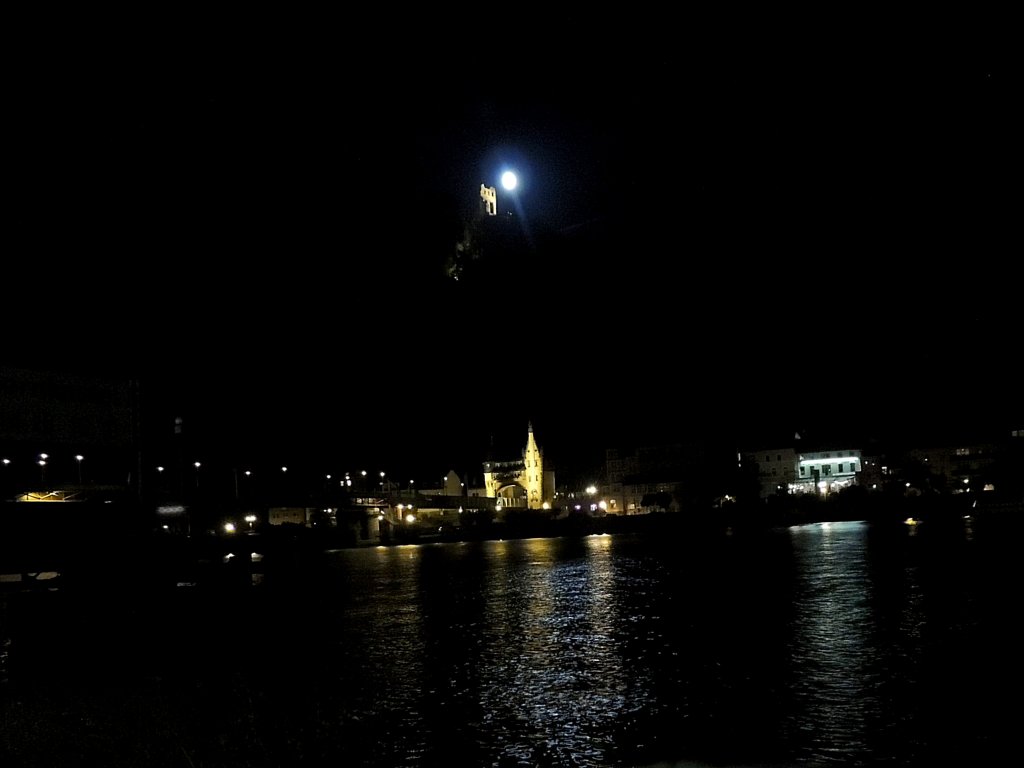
[(826, 471)]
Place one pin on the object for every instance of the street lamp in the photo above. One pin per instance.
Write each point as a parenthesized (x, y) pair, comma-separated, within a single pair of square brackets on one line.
[(78, 458)]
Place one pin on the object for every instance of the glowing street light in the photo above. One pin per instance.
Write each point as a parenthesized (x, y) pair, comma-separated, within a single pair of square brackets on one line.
[(409, 517), (509, 180), (78, 458)]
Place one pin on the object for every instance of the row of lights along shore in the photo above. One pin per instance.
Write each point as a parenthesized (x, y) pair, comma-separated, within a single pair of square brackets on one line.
[(44, 459), (345, 482)]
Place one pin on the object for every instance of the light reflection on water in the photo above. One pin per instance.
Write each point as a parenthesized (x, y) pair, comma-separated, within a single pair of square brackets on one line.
[(838, 644), (834, 682), (550, 663)]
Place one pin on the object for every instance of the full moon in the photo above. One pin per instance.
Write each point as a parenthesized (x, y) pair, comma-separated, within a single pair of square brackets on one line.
[(508, 180)]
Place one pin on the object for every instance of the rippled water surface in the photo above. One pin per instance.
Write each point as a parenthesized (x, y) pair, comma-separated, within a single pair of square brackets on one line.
[(830, 644)]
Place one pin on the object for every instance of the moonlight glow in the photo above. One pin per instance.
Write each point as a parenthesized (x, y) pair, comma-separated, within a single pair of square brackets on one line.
[(509, 180)]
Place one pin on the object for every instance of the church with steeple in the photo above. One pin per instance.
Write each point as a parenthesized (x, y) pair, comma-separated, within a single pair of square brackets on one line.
[(523, 483)]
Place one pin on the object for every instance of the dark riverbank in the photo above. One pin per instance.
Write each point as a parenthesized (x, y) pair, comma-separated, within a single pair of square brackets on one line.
[(82, 548), (935, 511)]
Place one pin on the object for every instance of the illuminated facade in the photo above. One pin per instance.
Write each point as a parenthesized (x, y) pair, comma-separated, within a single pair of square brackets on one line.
[(826, 471), (780, 471), (523, 483)]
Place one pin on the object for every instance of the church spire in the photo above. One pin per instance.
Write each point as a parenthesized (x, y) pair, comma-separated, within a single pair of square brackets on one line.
[(533, 474)]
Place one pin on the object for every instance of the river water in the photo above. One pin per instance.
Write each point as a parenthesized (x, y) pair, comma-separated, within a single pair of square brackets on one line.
[(849, 644)]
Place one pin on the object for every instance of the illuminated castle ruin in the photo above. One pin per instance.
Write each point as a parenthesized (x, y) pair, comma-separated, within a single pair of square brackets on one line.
[(488, 200)]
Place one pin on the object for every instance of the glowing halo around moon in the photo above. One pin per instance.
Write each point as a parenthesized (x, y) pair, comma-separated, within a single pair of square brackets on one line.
[(509, 180)]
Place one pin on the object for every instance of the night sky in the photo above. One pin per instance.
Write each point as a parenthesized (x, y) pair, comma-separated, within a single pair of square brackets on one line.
[(730, 239)]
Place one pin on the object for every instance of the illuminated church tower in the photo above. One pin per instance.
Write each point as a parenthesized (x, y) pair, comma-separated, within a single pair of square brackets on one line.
[(533, 471), (524, 483)]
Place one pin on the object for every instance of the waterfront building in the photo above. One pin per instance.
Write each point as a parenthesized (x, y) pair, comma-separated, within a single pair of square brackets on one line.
[(67, 437), (776, 469), (522, 483), (826, 471), (661, 478)]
